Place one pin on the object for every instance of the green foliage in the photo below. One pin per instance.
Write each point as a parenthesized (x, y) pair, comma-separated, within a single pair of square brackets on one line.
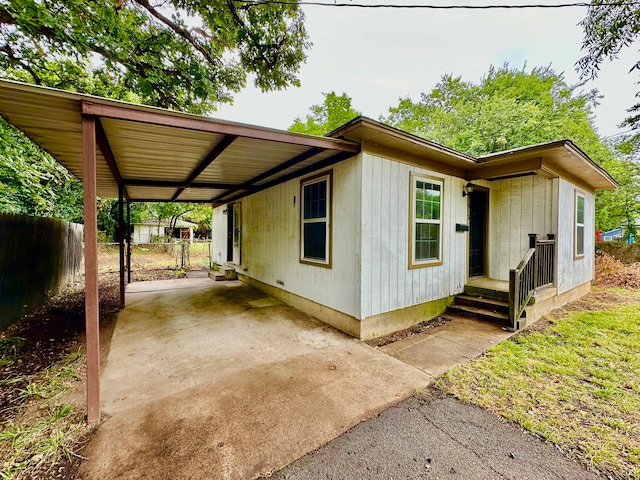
[(508, 108), (32, 182), (608, 28), (183, 54), (335, 111), (613, 207)]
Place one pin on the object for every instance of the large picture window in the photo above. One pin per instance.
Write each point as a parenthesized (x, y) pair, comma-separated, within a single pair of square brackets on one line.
[(426, 221), (315, 209), (579, 233)]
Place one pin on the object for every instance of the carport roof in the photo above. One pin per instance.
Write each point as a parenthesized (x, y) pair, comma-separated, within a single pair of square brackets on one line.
[(164, 155)]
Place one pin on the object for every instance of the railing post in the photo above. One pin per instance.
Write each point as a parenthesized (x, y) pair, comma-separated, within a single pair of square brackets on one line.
[(533, 243), (514, 288)]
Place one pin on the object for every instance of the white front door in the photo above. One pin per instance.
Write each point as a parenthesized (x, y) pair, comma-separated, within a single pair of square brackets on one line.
[(237, 233)]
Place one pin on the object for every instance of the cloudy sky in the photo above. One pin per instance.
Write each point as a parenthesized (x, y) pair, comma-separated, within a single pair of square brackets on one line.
[(377, 56)]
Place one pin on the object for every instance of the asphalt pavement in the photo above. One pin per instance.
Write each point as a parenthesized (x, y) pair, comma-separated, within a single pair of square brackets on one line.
[(436, 437)]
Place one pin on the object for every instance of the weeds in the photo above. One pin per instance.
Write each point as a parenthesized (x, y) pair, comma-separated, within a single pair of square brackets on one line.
[(46, 430)]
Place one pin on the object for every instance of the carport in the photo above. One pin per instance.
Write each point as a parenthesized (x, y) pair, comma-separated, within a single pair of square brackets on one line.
[(138, 153)]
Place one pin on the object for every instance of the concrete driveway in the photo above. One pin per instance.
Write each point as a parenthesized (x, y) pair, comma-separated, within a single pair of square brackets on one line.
[(218, 380)]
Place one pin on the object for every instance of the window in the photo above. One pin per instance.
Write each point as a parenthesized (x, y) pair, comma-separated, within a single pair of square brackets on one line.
[(426, 221), (579, 234), (316, 220)]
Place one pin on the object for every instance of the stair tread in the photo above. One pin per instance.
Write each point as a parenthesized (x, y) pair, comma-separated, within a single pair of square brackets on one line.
[(480, 311), (487, 300)]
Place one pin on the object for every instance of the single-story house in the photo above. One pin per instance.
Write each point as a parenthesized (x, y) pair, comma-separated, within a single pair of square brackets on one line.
[(154, 231), (369, 229), (614, 235), (392, 235)]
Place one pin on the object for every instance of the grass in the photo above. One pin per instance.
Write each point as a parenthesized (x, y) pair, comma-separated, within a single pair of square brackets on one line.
[(575, 383), (46, 427)]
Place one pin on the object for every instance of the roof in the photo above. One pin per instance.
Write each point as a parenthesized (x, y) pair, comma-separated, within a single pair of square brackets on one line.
[(163, 155), (546, 158), (165, 223), (369, 131)]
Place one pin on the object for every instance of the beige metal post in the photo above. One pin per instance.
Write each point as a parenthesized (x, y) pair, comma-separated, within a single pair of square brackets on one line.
[(91, 268)]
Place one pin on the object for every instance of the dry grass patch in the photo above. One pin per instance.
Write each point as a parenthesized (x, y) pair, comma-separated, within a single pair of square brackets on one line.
[(576, 382)]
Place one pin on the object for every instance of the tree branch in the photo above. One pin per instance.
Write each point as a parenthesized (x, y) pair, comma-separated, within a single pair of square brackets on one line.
[(182, 32)]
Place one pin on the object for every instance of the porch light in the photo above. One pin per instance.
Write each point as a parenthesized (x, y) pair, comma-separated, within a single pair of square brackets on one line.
[(468, 189)]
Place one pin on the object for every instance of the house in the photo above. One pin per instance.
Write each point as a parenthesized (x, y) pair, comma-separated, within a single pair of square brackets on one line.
[(406, 228), (155, 231), (368, 229), (617, 234), (614, 235)]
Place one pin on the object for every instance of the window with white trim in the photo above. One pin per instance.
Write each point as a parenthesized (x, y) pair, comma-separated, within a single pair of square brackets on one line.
[(315, 207), (426, 221), (579, 232)]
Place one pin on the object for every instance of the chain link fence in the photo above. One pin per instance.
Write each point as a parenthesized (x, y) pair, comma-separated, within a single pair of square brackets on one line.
[(194, 255)]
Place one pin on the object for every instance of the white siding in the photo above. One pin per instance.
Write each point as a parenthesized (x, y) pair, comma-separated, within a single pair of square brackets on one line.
[(271, 241), (572, 272), (387, 282), (219, 235), (517, 207)]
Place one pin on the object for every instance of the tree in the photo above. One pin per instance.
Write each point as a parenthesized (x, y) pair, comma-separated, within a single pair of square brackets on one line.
[(335, 111), (183, 54), (623, 204), (512, 108), (32, 182), (608, 28)]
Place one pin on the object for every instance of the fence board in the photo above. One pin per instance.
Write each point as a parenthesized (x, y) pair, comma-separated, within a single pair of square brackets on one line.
[(38, 256)]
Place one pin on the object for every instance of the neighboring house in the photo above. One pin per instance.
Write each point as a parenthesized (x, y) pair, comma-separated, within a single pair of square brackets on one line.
[(614, 235), (393, 235), (617, 234), (154, 231)]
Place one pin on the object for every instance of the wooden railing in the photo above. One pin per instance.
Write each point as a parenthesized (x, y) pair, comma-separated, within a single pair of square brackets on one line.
[(535, 270)]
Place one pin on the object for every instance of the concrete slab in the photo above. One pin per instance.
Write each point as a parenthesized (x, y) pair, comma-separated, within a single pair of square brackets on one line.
[(437, 350), (217, 380)]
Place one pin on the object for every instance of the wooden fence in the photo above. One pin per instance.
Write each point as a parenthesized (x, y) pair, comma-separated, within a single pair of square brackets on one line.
[(38, 256)]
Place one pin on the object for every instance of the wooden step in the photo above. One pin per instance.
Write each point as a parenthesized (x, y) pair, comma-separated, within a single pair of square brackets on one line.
[(502, 318), (485, 303), (473, 291)]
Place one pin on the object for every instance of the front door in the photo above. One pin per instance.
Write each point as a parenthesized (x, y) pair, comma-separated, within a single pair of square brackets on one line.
[(477, 232), (237, 233)]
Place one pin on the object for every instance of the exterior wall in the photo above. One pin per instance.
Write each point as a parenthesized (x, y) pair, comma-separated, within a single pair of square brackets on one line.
[(219, 235), (517, 207), (387, 282), (572, 272), (271, 241), (143, 233)]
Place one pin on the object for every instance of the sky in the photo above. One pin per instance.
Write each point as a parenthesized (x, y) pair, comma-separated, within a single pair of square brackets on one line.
[(377, 56)]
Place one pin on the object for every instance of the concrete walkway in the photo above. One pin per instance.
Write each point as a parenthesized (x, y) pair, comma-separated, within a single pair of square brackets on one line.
[(217, 380), (441, 348)]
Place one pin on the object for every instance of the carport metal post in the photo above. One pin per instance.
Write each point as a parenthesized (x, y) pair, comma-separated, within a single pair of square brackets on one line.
[(91, 267), (121, 240), (129, 241)]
